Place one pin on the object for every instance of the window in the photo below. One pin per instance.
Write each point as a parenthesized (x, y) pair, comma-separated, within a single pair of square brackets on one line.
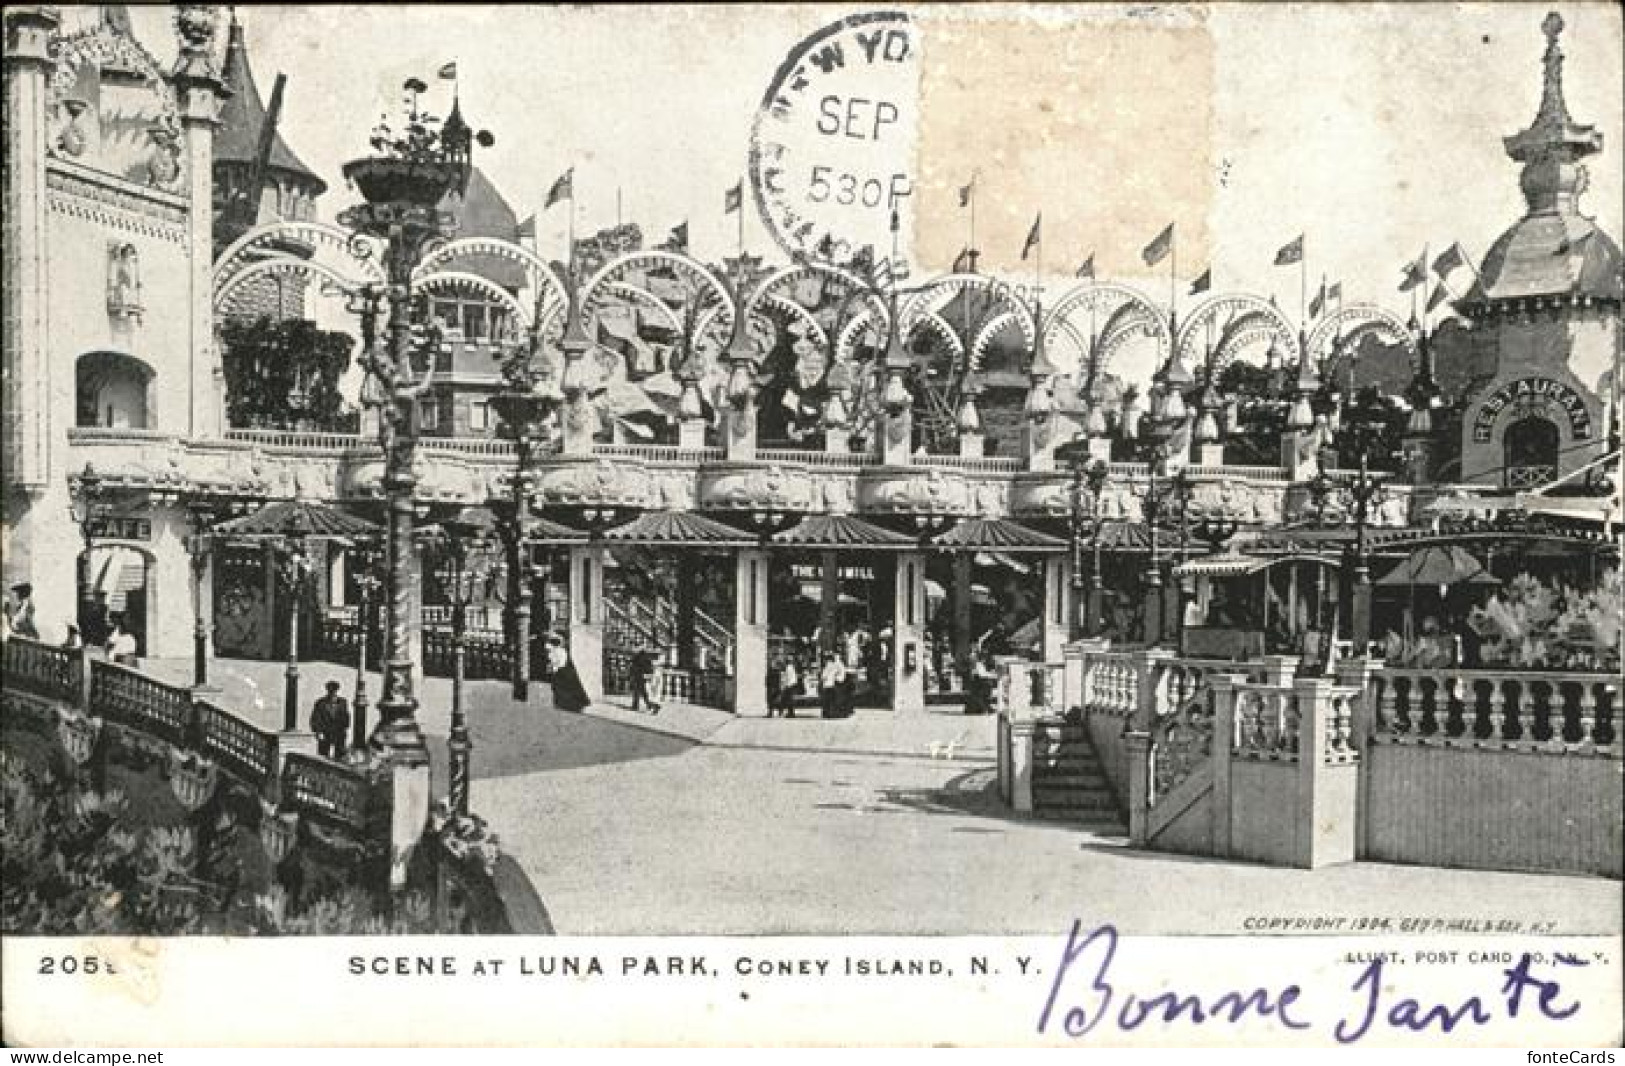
[(479, 415), (429, 414)]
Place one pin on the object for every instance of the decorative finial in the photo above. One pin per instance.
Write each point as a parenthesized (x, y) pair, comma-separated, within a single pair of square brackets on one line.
[(1553, 129), (1552, 27)]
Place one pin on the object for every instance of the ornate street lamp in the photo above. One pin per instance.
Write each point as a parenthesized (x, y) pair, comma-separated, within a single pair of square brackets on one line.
[(367, 585), (201, 516), (463, 572), (85, 506), (403, 184), (1088, 479), (294, 568)]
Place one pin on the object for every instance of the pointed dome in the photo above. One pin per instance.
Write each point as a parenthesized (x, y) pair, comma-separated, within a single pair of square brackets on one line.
[(481, 211), (243, 116)]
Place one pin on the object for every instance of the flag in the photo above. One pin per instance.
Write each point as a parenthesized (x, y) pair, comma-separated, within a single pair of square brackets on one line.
[(1087, 270), (1158, 250), (896, 222), (1203, 283), (563, 189), (525, 229), (1033, 236), (1415, 273), (449, 71), (1291, 252), (964, 262), (733, 199), (1335, 292), (1451, 259), (678, 241), (1440, 295), (1318, 304), (965, 192)]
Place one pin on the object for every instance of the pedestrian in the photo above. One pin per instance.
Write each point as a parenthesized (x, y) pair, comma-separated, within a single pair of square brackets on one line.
[(979, 692), (73, 639), (831, 679), (643, 668), (784, 691), (97, 622), (330, 721), (569, 694), (121, 646), (22, 612)]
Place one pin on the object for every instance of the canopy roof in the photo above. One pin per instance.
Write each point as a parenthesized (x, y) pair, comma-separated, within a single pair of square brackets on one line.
[(299, 518), (1439, 565), (997, 534), (842, 531), (547, 531), (1228, 565), (679, 527)]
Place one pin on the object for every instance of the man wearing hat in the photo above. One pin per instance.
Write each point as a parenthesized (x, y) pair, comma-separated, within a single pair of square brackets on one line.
[(22, 611), (330, 721)]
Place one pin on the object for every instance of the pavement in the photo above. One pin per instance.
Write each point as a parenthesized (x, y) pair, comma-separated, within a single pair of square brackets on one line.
[(693, 821)]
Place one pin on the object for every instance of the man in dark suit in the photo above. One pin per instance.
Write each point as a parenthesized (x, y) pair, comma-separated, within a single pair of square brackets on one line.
[(330, 721), (643, 669)]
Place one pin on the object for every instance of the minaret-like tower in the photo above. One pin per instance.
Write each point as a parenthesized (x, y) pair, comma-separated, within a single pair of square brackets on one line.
[(1546, 307)]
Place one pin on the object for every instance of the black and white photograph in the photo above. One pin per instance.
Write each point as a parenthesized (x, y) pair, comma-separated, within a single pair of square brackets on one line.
[(1088, 523)]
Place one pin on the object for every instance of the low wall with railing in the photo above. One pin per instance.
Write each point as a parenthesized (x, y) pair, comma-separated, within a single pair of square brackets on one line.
[(1494, 770), (707, 688)]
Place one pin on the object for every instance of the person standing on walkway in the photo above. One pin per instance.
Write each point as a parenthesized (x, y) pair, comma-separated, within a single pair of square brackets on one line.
[(643, 669), (569, 694), (22, 613), (121, 646), (831, 685), (786, 681), (330, 721)]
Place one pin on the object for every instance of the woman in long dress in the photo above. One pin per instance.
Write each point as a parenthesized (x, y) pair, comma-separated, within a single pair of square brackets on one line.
[(569, 694)]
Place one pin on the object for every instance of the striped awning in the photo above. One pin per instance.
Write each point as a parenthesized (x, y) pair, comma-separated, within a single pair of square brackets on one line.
[(1229, 565), (998, 535), (299, 518), (842, 531), (679, 527), (547, 531)]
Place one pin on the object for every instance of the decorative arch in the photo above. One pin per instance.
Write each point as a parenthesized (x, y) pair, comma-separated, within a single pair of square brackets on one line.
[(358, 256), (1353, 324), (543, 278), (1232, 323), (281, 266), (937, 293), (451, 279), (1118, 314)]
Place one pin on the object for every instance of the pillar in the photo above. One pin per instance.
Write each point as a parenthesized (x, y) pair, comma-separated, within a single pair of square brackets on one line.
[(829, 593), (25, 415), (908, 634), (200, 96), (1327, 793), (1224, 731), (1021, 758), (683, 631), (1055, 629), (962, 615), (750, 634), (739, 429), (586, 628)]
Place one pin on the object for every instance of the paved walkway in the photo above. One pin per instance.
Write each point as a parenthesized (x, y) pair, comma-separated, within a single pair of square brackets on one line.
[(693, 821)]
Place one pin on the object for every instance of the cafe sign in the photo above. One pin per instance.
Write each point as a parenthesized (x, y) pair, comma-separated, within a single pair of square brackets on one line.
[(1538, 395), (116, 527)]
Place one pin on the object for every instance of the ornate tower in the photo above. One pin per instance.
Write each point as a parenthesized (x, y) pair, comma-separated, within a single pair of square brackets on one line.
[(1547, 303)]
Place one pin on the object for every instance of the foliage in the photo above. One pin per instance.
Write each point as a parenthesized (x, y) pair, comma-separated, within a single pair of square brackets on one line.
[(285, 375), (1534, 626), (75, 862)]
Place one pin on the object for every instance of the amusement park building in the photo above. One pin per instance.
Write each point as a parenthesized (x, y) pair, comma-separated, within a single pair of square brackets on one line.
[(127, 380)]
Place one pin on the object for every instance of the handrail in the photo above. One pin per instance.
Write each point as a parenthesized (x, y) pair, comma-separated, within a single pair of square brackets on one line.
[(986, 464), (835, 460), (240, 747), (118, 435), (131, 698), (40, 668), (318, 786), (659, 453)]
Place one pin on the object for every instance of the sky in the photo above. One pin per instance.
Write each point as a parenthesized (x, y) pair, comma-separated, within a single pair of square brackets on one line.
[(1372, 128)]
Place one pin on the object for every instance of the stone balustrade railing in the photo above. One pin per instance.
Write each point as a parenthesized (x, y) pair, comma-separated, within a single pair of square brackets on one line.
[(1028, 690), (327, 788), (42, 669), (244, 750), (129, 697), (1268, 720), (1548, 711), (847, 461)]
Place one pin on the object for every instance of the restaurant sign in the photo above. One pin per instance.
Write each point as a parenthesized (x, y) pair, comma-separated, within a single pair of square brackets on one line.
[(1539, 396)]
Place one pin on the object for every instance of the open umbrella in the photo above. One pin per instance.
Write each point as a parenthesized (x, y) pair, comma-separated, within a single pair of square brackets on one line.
[(1439, 565)]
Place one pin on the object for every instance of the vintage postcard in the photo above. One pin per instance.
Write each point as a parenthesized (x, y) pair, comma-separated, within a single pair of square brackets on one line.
[(1055, 524)]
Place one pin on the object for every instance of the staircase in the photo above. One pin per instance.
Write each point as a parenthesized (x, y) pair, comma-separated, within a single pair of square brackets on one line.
[(1068, 783)]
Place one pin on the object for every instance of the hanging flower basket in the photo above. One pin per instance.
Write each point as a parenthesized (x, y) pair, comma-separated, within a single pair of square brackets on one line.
[(382, 180)]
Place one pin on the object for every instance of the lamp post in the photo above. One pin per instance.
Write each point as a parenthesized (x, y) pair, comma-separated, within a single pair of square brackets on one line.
[(85, 508), (1366, 422), (367, 586), (295, 566), (402, 185), (1088, 479), (201, 517), (467, 565), (1155, 430)]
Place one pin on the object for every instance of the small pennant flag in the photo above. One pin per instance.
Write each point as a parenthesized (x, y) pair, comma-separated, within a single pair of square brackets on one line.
[(1033, 236), (1415, 273), (1440, 295), (1087, 270), (1203, 283), (1158, 250), (733, 199), (964, 262), (563, 189), (678, 241), (1335, 292), (965, 193), (526, 228), (1450, 260), (1318, 304), (449, 71), (1290, 253)]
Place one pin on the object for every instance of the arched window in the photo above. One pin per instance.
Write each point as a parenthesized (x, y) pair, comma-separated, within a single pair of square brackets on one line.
[(1531, 447), (113, 389)]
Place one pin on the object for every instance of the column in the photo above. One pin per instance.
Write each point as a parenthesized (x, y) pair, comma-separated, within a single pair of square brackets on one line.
[(200, 97), (1224, 731), (829, 593), (750, 634), (1327, 793), (26, 420), (963, 637), (586, 628), (1055, 627), (908, 635), (690, 417), (683, 631)]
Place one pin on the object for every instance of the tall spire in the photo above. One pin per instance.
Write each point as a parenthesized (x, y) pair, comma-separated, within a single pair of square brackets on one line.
[(1553, 131)]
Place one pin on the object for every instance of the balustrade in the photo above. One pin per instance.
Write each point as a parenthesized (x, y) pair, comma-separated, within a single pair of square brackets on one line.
[(1267, 722), (42, 669), (317, 786), (133, 699), (1536, 710), (1030, 690), (238, 746)]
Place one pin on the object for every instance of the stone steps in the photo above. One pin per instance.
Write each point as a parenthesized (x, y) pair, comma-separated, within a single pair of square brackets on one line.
[(1068, 782)]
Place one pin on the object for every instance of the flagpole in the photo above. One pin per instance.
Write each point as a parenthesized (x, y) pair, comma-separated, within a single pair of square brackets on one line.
[(973, 221), (1303, 281), (741, 187), (1173, 288), (617, 207)]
